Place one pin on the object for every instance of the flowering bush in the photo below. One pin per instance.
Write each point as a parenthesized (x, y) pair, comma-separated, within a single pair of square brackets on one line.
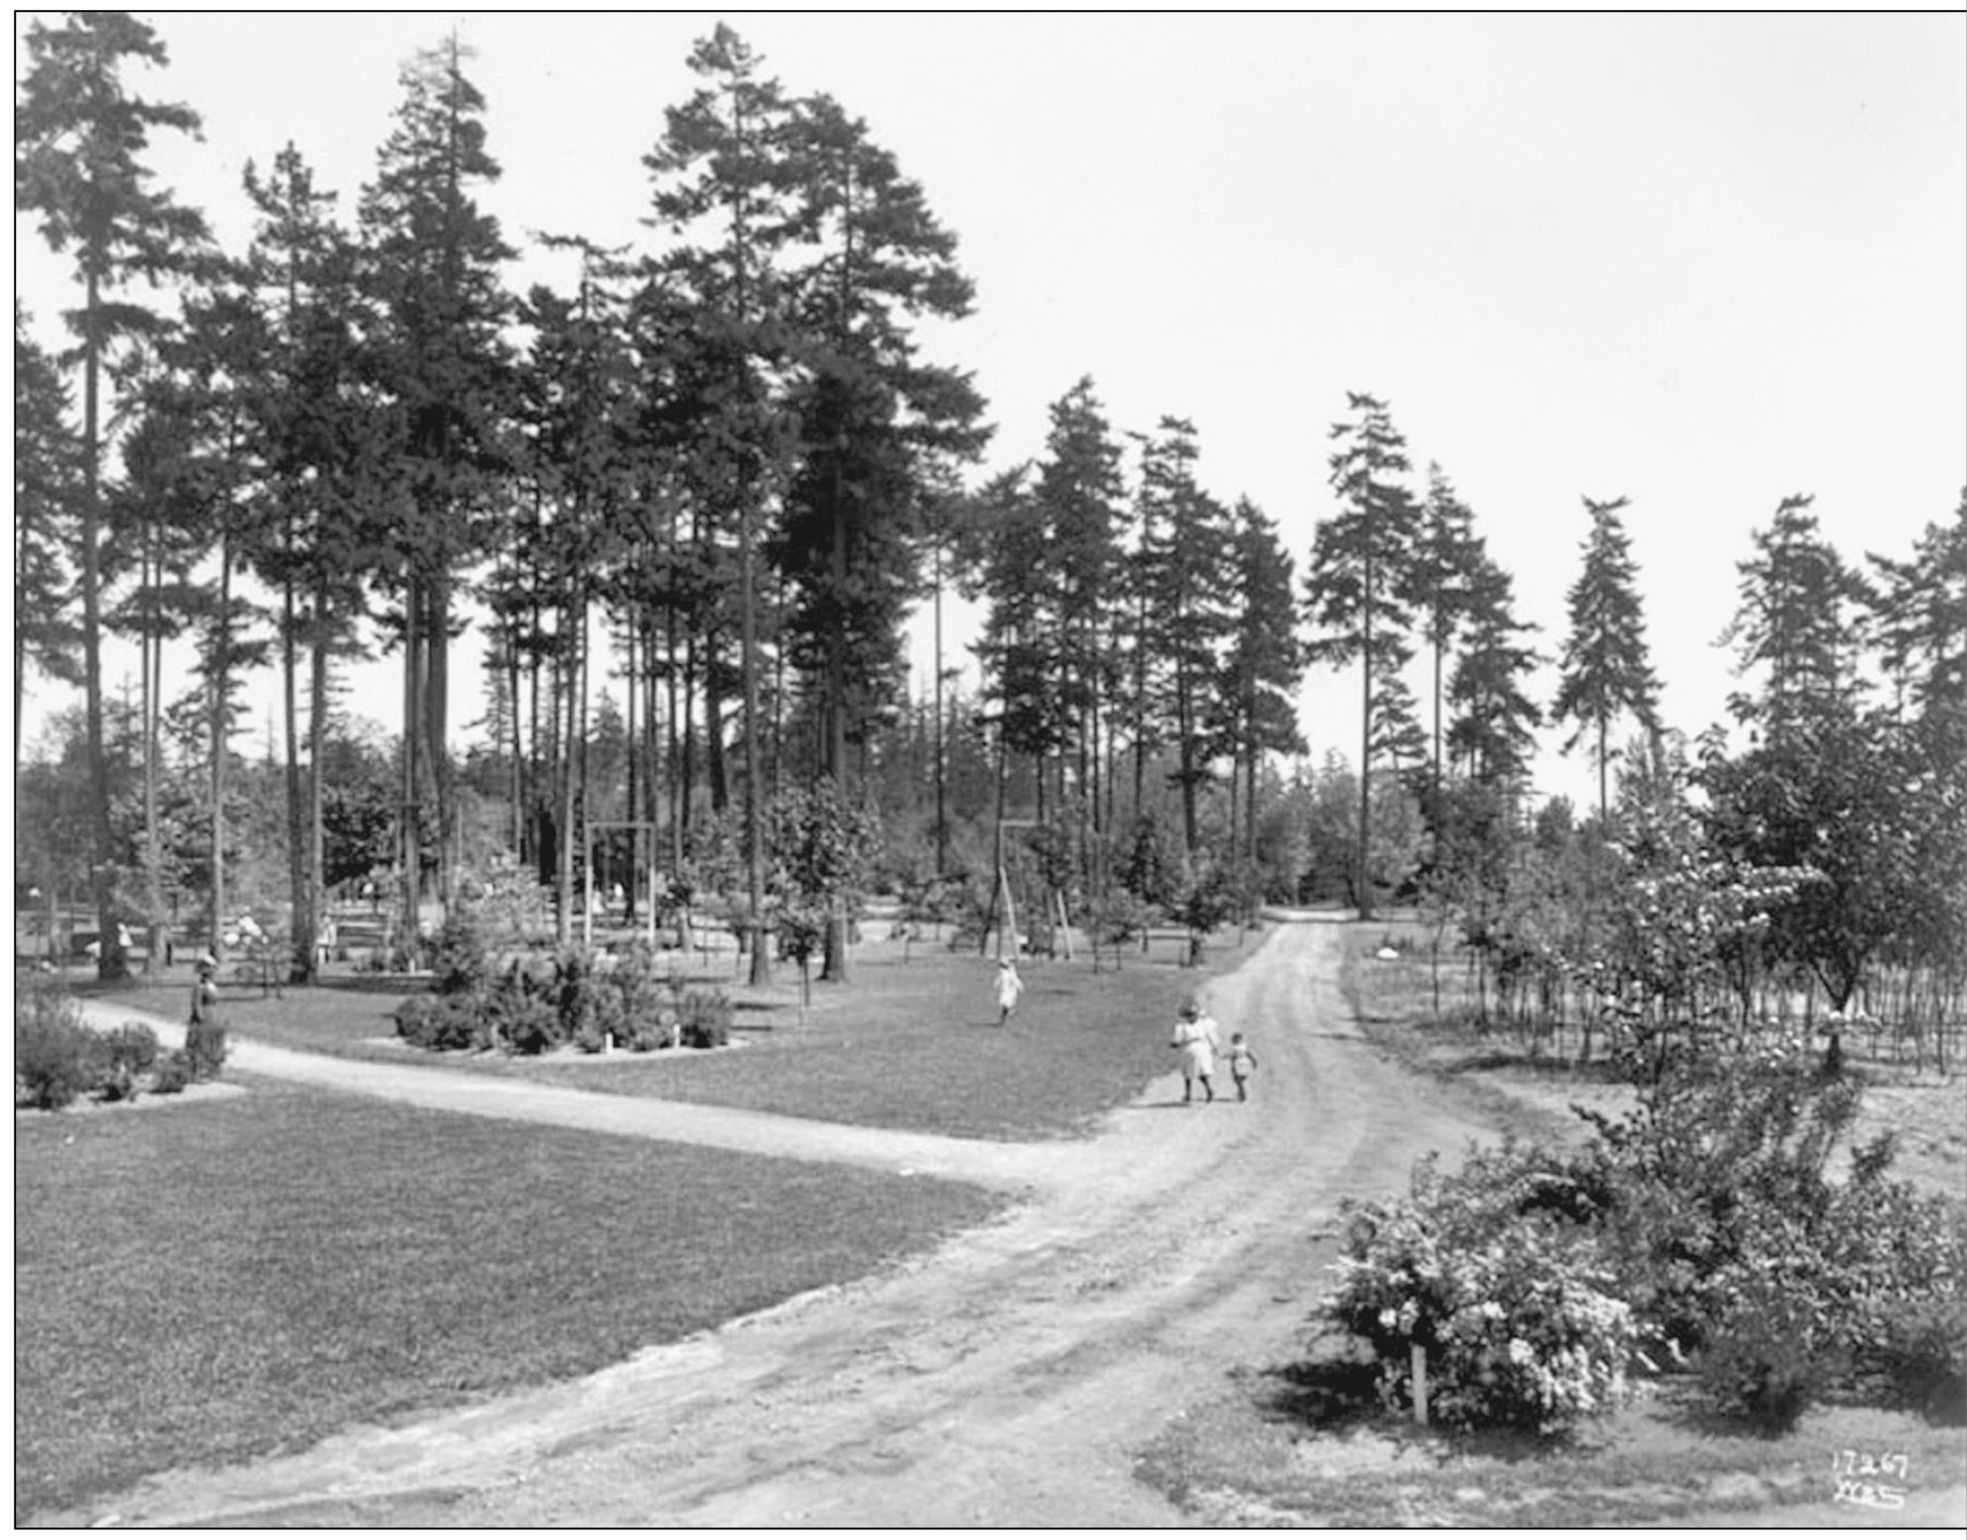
[(1490, 1274)]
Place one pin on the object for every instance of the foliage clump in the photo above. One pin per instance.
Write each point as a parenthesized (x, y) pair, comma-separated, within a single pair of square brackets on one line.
[(1704, 1227), (591, 1000), (1512, 1304), (58, 1059)]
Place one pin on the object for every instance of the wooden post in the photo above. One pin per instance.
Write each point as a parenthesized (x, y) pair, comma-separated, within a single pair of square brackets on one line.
[(1417, 1362)]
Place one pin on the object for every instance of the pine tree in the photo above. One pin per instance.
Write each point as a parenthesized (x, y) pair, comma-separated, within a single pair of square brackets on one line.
[(875, 422), (313, 430), (432, 264), (1605, 669), (578, 405), (79, 138), (1919, 617), (1263, 664), (1079, 489), (1790, 622), (47, 473), (1186, 564), (1447, 554), (1494, 723), (711, 321), (1358, 589)]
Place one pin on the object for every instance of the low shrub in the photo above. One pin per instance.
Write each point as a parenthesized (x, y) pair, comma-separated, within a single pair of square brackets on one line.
[(453, 1022), (644, 995), (56, 1058), (132, 1045), (1774, 1341), (410, 1016), (704, 1018), (1705, 1220), (460, 960), (1920, 1356), (524, 1021), (574, 996), (171, 1074), (1508, 1297)]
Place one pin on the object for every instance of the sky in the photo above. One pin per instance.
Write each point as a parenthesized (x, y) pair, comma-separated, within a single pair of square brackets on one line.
[(1700, 262)]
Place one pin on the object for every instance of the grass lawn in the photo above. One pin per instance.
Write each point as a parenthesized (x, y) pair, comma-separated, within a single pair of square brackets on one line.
[(1292, 1448), (907, 1044), (204, 1282)]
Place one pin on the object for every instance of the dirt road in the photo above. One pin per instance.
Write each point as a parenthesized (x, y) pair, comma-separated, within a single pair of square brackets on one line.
[(1004, 1380)]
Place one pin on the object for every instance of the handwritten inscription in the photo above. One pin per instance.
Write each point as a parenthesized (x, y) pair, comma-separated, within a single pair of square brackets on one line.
[(1869, 1480)]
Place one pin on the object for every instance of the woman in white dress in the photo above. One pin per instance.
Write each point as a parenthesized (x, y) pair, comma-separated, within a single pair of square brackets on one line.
[(1195, 1037)]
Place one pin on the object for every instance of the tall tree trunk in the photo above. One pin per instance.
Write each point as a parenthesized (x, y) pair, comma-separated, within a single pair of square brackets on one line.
[(317, 739), (110, 963), (942, 813), (632, 696), (221, 688), (564, 770), (410, 843), (754, 842), (834, 969), (437, 651), (153, 679), (1364, 893), (300, 929)]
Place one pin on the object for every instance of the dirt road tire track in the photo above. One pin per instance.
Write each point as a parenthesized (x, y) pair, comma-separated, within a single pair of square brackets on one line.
[(1005, 1380)]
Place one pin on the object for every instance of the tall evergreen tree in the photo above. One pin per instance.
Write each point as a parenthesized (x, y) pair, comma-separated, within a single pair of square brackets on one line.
[(433, 260), (1016, 648), (1919, 617), (1447, 554), (873, 415), (1186, 563), (1263, 665), (79, 139), (314, 430), (1359, 588), (1790, 623), (1605, 669), (1079, 489), (875, 421), (1494, 724), (578, 406), (714, 310), (47, 470)]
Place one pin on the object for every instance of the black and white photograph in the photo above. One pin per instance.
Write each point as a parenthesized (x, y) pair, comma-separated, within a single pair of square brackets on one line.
[(958, 770)]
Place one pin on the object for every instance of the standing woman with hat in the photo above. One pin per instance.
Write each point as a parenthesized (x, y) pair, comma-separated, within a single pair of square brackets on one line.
[(204, 1042)]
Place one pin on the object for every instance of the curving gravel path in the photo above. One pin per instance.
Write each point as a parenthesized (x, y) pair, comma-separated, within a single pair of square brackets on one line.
[(1003, 1380)]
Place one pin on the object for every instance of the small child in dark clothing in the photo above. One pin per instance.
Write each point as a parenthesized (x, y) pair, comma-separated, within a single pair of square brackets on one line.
[(1241, 1062)]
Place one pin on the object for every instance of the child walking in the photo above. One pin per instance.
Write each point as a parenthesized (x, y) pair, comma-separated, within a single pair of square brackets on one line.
[(1009, 987), (1195, 1036), (1241, 1062)]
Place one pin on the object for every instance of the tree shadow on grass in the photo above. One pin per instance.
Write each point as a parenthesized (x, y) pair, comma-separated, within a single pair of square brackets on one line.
[(1336, 1392), (1329, 1392), (1592, 1072)]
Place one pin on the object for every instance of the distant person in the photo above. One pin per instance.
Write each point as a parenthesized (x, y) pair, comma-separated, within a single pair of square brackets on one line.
[(1009, 988), (1241, 1062), (1195, 1037), (205, 991), (204, 1039)]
